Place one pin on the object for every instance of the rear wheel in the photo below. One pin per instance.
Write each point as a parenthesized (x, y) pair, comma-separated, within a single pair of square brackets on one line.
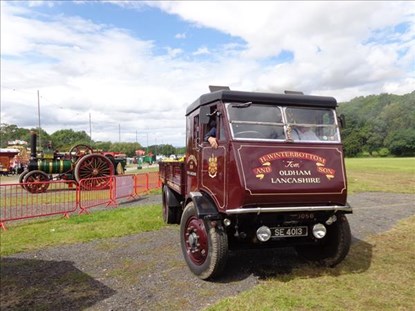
[(96, 169), (204, 246), (170, 213), (333, 248)]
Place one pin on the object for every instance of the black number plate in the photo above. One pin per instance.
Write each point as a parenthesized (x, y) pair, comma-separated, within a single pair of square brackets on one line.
[(288, 232)]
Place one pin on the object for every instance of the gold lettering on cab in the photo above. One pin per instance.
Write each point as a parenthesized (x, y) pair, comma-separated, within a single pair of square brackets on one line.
[(294, 168)]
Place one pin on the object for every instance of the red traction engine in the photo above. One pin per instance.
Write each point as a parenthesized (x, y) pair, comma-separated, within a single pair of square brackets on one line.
[(80, 163)]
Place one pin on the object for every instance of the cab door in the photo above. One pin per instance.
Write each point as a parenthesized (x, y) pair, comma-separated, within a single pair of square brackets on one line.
[(213, 169)]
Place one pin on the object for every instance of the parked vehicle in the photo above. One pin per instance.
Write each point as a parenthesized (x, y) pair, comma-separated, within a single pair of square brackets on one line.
[(265, 185), (6, 158), (80, 163)]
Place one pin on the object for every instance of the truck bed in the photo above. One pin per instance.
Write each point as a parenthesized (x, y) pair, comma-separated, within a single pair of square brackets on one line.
[(172, 173)]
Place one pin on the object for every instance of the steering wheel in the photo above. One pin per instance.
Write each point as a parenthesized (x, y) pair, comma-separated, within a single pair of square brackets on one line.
[(250, 134)]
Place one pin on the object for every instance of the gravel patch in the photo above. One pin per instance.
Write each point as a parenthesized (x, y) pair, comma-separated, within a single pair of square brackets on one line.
[(146, 271)]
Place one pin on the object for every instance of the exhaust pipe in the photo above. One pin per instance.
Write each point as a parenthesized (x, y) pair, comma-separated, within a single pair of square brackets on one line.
[(33, 137)]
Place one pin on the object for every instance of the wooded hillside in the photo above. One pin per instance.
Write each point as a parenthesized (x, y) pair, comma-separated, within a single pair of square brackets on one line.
[(379, 125), (376, 125)]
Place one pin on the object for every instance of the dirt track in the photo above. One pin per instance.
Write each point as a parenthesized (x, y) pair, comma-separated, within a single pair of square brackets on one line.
[(147, 272)]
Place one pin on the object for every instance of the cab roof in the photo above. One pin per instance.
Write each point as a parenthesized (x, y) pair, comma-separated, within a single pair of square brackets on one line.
[(262, 98)]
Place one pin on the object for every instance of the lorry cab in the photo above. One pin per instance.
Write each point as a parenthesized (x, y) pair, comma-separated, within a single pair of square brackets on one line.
[(273, 150), (276, 177)]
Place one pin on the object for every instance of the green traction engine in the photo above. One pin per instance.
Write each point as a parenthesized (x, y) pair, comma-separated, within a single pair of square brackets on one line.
[(81, 163)]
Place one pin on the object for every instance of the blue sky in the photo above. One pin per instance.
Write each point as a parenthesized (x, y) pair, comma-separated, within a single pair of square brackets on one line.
[(136, 65), (145, 23)]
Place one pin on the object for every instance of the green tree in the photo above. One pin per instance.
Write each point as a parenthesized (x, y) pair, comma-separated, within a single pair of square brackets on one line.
[(375, 134), (102, 145), (353, 144), (379, 123), (66, 139), (10, 132), (401, 143), (127, 148), (163, 149)]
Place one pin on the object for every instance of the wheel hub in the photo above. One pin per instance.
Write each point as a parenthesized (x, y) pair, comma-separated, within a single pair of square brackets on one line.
[(196, 241)]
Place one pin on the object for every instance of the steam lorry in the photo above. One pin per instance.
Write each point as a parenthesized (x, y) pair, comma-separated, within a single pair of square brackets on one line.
[(267, 184)]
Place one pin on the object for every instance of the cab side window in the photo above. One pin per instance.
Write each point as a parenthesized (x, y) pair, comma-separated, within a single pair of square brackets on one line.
[(196, 130), (211, 129)]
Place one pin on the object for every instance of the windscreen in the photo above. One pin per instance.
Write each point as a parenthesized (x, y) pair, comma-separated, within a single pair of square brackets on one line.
[(269, 122)]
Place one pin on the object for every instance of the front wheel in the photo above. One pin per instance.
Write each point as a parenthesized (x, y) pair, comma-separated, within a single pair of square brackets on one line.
[(36, 181), (204, 246), (333, 248)]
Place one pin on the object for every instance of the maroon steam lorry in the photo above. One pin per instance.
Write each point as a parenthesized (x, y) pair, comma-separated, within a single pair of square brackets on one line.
[(275, 178)]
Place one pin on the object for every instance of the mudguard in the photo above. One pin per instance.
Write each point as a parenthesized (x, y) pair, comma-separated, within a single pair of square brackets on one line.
[(171, 197), (205, 208)]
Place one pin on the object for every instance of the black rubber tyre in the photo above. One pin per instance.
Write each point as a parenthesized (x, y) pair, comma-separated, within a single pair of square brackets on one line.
[(204, 247), (333, 248), (170, 213)]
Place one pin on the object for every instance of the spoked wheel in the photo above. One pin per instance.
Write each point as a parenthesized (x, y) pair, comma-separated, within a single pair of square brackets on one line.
[(80, 150), (204, 247), (333, 248), (36, 181), (21, 177), (96, 169)]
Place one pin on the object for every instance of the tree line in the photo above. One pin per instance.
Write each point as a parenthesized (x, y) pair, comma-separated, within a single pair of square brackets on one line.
[(376, 125), (64, 140), (379, 125)]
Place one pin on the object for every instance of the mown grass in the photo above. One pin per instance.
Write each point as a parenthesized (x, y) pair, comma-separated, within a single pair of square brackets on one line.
[(378, 274), (395, 175), (79, 228), (377, 174)]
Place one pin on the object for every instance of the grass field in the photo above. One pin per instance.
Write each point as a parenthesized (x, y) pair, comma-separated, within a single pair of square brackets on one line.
[(79, 228), (381, 174), (369, 174), (378, 274)]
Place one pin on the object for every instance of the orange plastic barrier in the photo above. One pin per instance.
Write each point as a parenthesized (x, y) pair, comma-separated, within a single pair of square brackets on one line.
[(146, 182)]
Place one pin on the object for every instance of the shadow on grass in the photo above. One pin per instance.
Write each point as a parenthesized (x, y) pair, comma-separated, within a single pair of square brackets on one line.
[(30, 284), (285, 264)]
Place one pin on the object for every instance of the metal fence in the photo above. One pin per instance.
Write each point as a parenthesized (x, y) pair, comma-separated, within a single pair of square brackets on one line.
[(65, 198)]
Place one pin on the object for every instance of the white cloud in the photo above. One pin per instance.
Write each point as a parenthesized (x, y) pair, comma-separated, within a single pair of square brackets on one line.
[(328, 40), (201, 51), (180, 36), (341, 49)]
